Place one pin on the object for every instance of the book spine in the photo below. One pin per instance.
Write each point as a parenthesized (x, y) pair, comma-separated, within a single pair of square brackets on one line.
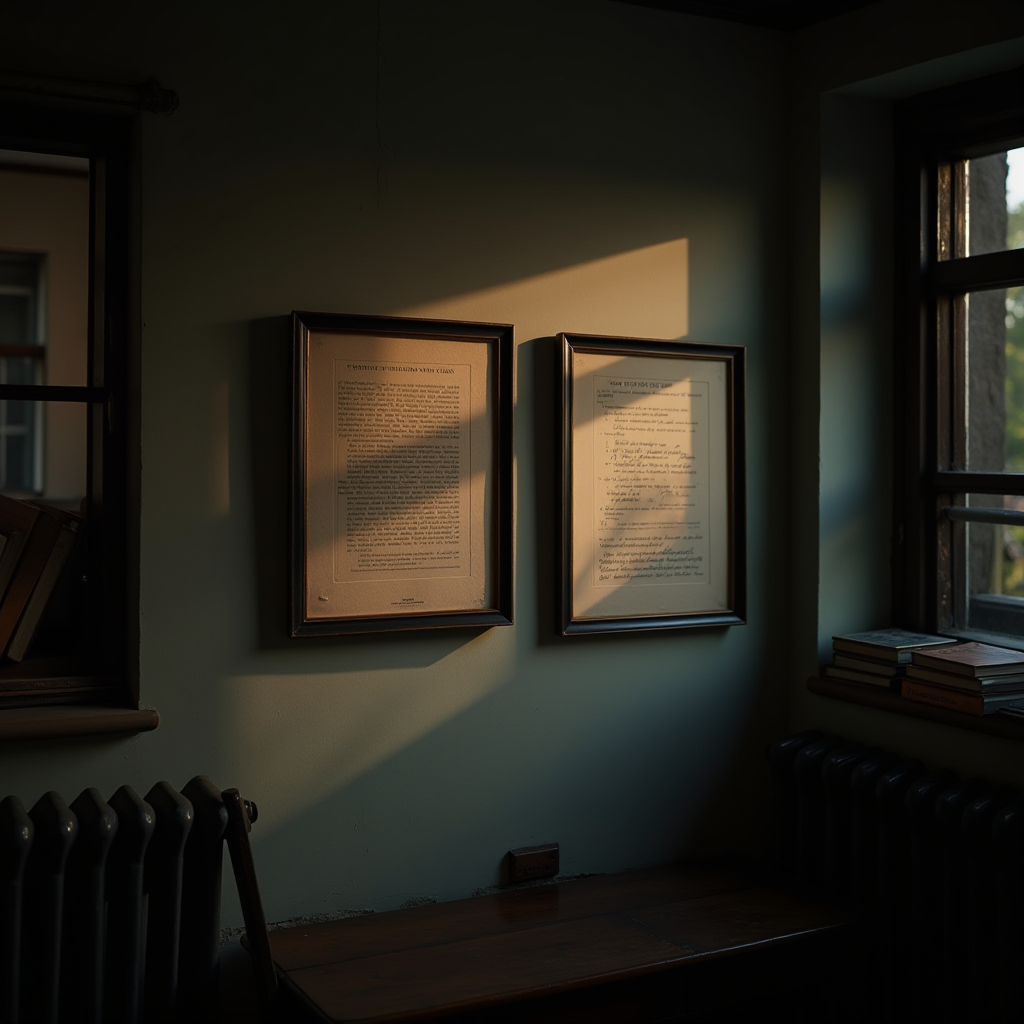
[(12, 544), (869, 651), (952, 667), (851, 675), (970, 703), (928, 675), (33, 559), (29, 622), (874, 665)]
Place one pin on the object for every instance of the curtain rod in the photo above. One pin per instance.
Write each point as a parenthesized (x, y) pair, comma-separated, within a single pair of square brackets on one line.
[(148, 97)]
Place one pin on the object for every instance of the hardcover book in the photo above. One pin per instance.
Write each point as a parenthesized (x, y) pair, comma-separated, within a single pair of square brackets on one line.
[(875, 666), (34, 556), (972, 659), (854, 676), (70, 524), (16, 522), (958, 700), (970, 684), (894, 645)]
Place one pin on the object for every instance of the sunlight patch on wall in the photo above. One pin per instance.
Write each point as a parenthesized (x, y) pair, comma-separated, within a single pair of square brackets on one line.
[(346, 717), (641, 293)]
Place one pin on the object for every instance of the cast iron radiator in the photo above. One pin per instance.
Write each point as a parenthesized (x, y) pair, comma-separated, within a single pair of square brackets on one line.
[(110, 910), (941, 858)]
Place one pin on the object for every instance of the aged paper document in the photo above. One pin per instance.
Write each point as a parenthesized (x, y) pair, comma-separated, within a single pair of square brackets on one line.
[(399, 450), (650, 485)]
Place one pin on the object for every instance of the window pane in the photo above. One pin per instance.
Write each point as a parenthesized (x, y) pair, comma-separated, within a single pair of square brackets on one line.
[(65, 430), (43, 450), (17, 317), (43, 460), (20, 370), (995, 569), (20, 452), (21, 298), (1015, 199), (995, 382), (1014, 391), (995, 202), (44, 261)]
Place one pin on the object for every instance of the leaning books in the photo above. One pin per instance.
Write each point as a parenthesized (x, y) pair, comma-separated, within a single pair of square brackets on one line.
[(44, 553), (60, 552), (34, 556), (958, 700), (892, 645), (16, 522)]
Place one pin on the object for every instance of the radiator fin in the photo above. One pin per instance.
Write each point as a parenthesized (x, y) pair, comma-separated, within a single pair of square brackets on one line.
[(85, 906), (56, 827), (106, 906), (16, 834), (939, 857)]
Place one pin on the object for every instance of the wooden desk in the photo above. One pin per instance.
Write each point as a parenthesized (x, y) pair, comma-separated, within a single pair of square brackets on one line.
[(647, 945)]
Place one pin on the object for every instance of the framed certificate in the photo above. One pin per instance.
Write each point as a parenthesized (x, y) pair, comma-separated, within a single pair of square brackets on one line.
[(402, 474), (653, 471)]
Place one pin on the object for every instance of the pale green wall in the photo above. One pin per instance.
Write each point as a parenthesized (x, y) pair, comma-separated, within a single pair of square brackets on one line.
[(588, 167), (855, 297), (584, 166)]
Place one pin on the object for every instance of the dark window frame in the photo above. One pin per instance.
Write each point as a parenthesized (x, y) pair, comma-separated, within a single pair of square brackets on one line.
[(933, 133), (105, 674)]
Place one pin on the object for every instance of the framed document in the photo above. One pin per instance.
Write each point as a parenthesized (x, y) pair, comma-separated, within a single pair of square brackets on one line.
[(402, 474), (654, 492)]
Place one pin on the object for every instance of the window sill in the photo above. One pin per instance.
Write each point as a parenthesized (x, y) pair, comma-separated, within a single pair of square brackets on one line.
[(881, 699), (74, 720)]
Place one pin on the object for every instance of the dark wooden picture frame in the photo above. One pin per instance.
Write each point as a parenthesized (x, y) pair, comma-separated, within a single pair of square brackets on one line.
[(653, 484), (402, 474)]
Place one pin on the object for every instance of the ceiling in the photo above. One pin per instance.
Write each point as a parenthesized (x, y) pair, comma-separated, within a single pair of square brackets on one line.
[(786, 15)]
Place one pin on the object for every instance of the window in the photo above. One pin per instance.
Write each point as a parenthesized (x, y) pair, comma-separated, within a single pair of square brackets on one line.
[(959, 537), (65, 417), (22, 352)]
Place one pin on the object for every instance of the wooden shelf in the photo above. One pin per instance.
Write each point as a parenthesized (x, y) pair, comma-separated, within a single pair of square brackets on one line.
[(74, 720), (712, 940), (886, 700)]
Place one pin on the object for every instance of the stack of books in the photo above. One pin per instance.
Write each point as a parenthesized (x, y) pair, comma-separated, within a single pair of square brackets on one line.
[(36, 542), (879, 657), (973, 677)]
